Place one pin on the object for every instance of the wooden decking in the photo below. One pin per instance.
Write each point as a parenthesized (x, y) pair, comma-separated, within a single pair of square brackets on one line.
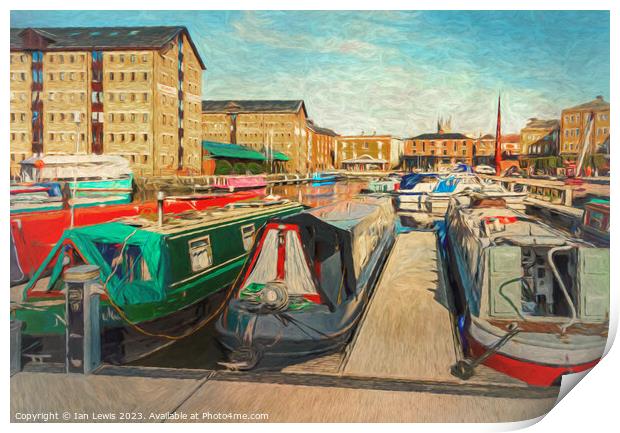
[(407, 331)]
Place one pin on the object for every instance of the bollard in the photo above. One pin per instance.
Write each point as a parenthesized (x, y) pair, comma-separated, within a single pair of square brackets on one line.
[(83, 333), (16, 346), (160, 208)]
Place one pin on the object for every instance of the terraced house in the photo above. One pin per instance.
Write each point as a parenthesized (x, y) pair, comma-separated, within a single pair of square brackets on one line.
[(368, 152), (130, 91), (276, 128)]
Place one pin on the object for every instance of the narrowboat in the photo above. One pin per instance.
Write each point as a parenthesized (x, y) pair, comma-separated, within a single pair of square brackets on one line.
[(157, 276), (37, 197), (595, 222), (237, 183), (533, 303), (34, 233), (306, 283), (82, 173)]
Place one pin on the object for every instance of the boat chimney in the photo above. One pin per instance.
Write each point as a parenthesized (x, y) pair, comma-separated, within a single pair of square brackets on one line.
[(160, 208)]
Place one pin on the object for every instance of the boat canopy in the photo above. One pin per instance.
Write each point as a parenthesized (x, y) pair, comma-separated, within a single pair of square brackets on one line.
[(130, 260), (351, 228), (69, 167), (410, 180)]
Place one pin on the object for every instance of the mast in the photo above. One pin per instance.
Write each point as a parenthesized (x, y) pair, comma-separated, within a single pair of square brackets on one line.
[(498, 138), (585, 145)]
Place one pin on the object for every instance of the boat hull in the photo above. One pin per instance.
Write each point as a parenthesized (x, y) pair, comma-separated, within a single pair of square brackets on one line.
[(281, 339), (121, 343), (530, 371)]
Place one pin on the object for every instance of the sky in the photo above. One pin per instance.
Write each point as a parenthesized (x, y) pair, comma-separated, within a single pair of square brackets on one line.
[(392, 72)]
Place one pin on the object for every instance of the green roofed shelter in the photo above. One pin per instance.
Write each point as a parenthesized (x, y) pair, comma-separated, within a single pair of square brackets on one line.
[(279, 156), (227, 150)]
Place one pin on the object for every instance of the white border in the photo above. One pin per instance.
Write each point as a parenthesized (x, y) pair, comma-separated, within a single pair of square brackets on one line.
[(590, 407)]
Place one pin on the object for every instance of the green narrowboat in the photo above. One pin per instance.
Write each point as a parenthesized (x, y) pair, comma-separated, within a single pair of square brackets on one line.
[(156, 278), (595, 221)]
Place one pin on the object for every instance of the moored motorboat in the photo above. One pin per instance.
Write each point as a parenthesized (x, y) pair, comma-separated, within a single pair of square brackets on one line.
[(156, 276), (323, 178), (306, 283), (532, 300)]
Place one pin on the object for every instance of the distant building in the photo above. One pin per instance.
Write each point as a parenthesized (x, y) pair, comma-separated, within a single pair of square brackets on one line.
[(263, 125), (511, 145), (540, 137), (433, 151), (484, 150), (321, 147), (573, 127), (367, 152), (130, 91)]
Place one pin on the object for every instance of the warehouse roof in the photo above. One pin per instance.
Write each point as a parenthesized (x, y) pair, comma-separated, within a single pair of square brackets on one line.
[(598, 103), (438, 136), (320, 130), (97, 38), (540, 123), (254, 105)]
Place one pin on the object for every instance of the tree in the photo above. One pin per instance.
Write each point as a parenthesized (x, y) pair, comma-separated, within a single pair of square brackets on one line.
[(223, 167), (255, 168), (239, 168)]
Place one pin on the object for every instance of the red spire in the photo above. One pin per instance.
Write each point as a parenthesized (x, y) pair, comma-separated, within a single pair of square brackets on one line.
[(498, 138)]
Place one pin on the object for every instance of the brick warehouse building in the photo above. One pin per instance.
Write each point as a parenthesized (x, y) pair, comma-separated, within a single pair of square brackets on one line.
[(573, 127), (131, 91), (321, 147), (262, 125)]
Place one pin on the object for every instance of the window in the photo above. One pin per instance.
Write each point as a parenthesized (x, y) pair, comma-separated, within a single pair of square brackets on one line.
[(247, 234), (200, 254)]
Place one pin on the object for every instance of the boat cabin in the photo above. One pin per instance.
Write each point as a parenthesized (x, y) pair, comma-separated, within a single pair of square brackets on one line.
[(517, 268)]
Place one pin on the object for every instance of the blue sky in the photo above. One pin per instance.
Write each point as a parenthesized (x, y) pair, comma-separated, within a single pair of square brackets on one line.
[(390, 71)]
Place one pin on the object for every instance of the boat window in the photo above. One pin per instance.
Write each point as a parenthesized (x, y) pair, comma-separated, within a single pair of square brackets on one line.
[(247, 234), (200, 253), (595, 220), (128, 267)]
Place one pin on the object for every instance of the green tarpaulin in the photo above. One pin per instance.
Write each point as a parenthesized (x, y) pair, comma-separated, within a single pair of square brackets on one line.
[(122, 292)]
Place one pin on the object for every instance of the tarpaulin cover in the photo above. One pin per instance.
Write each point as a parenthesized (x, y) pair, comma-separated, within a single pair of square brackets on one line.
[(410, 180), (122, 292), (463, 168), (446, 184)]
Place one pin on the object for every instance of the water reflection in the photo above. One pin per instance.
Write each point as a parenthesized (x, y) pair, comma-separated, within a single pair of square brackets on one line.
[(315, 194)]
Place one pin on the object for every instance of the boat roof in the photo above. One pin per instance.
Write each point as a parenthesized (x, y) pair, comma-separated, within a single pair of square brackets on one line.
[(599, 201), (521, 229), (347, 214), (182, 222)]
